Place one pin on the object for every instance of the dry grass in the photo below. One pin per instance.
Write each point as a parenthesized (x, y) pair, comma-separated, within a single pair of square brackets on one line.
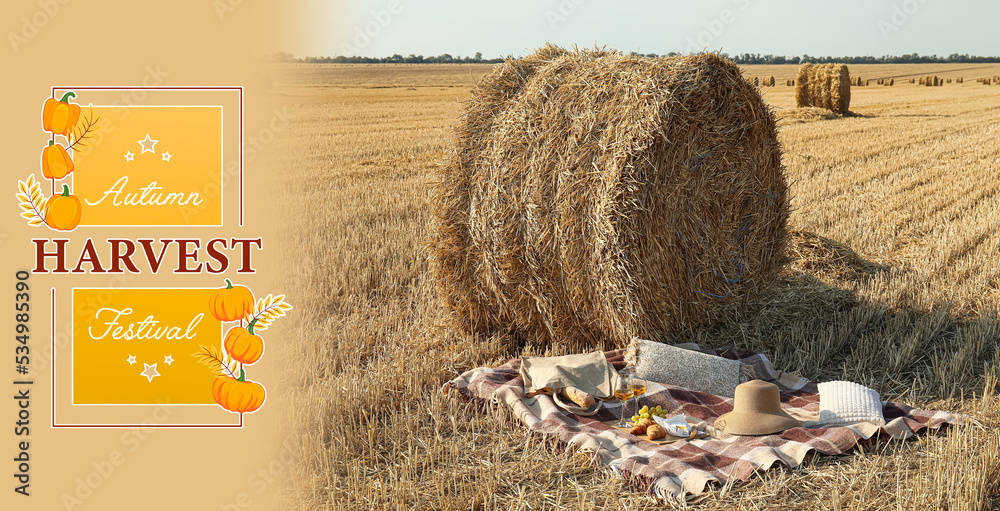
[(894, 284)]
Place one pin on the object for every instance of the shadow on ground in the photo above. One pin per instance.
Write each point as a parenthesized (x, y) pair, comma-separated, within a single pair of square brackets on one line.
[(816, 325)]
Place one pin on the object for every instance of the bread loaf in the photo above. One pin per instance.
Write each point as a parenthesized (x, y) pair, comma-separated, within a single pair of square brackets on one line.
[(581, 398)]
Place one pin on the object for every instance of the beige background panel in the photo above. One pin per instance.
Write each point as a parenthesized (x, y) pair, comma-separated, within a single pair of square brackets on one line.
[(122, 43)]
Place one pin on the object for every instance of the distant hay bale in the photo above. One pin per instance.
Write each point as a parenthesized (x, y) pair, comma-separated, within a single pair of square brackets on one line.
[(755, 81), (771, 81), (881, 81), (824, 86), (921, 81), (937, 81), (891, 82), (593, 196), (959, 79), (788, 83)]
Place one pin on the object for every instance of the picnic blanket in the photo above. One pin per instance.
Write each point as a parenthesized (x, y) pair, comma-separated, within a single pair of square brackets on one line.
[(672, 471)]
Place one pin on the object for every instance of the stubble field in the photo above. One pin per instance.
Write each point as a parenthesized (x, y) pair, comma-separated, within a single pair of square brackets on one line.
[(893, 282)]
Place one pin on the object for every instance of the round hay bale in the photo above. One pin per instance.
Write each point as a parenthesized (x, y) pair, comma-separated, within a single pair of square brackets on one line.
[(959, 79), (593, 196), (824, 86)]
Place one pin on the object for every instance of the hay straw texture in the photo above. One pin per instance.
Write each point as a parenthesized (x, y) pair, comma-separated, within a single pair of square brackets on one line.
[(824, 86), (594, 196)]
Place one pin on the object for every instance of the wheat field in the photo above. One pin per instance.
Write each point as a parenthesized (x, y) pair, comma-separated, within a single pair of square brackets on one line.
[(893, 283)]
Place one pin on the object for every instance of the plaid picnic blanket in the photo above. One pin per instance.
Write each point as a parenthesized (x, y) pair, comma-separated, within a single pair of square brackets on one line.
[(684, 467)]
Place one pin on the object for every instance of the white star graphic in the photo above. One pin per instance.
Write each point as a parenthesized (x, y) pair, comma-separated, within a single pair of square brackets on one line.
[(149, 371), (169, 359), (166, 156), (129, 156), (147, 144), (131, 359)]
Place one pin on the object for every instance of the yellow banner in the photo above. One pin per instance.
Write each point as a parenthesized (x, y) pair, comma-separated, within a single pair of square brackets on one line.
[(135, 346), (153, 165)]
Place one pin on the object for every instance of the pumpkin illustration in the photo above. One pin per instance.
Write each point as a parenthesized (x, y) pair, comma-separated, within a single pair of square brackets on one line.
[(231, 303), (60, 116), (62, 212), (56, 163), (238, 395), (243, 345)]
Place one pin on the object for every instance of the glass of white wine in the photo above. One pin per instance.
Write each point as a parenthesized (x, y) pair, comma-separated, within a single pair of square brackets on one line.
[(623, 394), (637, 386)]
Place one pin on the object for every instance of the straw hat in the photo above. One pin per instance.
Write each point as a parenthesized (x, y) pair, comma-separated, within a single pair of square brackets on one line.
[(756, 411)]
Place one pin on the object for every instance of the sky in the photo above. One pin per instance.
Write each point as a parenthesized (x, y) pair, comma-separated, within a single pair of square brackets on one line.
[(378, 28)]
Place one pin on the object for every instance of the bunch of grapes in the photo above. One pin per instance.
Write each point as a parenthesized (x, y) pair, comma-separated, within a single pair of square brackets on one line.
[(647, 413)]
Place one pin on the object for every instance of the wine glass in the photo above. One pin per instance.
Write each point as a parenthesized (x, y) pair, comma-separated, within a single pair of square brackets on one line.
[(623, 394), (637, 386)]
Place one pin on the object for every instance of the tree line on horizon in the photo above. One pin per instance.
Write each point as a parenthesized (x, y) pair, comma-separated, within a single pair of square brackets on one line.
[(744, 58)]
